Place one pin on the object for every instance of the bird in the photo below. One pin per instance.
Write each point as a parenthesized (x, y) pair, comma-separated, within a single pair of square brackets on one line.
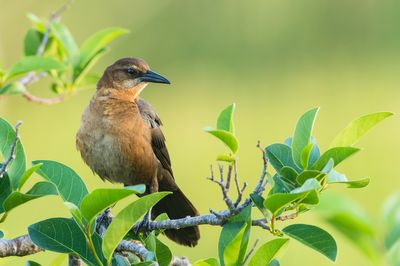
[(120, 139)]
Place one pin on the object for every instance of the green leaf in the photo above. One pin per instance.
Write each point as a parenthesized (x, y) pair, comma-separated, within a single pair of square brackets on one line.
[(225, 119), (259, 202), (303, 176), (280, 155), (65, 38), (357, 128), (63, 236), (228, 234), (32, 41), (265, 253), (336, 177), (100, 199), (274, 262), (39, 24), (13, 88), (80, 74), (338, 154), (76, 212), (207, 262), (34, 63), (305, 194), (305, 155), (28, 173), (231, 251), (69, 185), (391, 214), (276, 202), (125, 220), (5, 190), (315, 153), (309, 184), (1, 234), (163, 253), (288, 174), (97, 42), (31, 263), (313, 237), (302, 134), (226, 137), (225, 158), (16, 199), (17, 166)]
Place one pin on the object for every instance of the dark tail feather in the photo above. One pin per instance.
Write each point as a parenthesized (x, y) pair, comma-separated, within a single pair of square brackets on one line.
[(177, 206)]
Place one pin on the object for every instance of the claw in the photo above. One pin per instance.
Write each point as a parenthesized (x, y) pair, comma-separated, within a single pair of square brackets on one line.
[(144, 224)]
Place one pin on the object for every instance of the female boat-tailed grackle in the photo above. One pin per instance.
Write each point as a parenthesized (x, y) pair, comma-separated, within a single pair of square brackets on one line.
[(121, 141)]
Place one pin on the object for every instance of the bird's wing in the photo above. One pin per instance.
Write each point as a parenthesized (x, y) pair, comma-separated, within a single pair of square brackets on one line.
[(151, 118)]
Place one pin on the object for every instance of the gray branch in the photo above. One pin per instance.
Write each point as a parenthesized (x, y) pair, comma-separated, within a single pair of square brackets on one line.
[(20, 246), (23, 245)]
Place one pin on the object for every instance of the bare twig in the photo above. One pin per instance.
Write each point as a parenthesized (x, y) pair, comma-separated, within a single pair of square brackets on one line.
[(236, 178), (12, 151), (226, 198), (261, 184), (250, 252)]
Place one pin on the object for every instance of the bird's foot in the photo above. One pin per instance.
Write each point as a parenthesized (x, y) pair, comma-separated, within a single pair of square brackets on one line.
[(144, 224)]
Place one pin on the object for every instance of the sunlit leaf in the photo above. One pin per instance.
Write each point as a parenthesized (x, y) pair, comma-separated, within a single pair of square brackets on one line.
[(226, 137), (69, 185), (336, 177), (125, 220), (225, 119), (302, 134), (207, 262), (305, 155), (265, 253), (100, 199), (231, 251), (313, 237), (65, 38), (338, 154), (357, 128), (96, 42), (27, 174), (228, 234), (34, 63)]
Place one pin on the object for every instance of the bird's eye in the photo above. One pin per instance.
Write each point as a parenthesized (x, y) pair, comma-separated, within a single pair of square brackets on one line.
[(131, 70)]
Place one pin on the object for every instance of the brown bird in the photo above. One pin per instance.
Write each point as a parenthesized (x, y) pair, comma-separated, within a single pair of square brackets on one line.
[(121, 140)]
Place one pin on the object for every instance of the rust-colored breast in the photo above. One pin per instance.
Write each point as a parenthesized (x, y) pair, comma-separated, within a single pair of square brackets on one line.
[(115, 142)]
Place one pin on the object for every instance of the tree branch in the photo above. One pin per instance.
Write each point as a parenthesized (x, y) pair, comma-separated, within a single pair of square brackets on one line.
[(23, 245), (20, 246)]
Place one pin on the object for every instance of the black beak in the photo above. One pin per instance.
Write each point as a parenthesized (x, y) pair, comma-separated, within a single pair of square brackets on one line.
[(154, 77)]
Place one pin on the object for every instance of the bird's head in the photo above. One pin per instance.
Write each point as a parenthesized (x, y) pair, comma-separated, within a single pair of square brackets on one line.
[(129, 74)]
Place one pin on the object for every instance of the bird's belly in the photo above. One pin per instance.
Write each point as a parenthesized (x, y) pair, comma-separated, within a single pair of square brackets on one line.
[(118, 157)]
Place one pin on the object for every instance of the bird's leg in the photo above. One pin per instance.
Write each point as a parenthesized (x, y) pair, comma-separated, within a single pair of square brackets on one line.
[(145, 223)]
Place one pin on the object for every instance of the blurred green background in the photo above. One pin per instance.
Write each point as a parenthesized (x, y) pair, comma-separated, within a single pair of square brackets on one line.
[(275, 59)]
